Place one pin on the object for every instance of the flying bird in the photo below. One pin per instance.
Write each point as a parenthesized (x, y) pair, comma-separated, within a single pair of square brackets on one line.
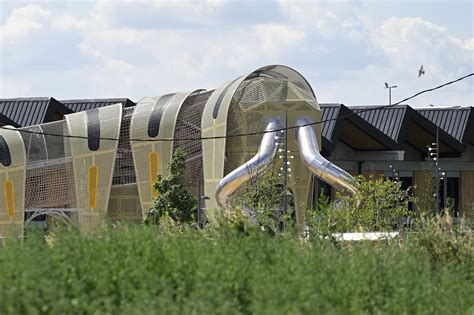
[(421, 71)]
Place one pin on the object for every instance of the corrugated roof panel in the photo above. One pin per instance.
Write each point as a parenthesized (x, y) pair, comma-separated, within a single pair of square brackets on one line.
[(452, 120), (444, 119), (460, 129), (399, 119), (87, 104), (345, 119), (387, 120), (20, 112), (17, 115), (42, 111), (329, 112), (383, 119), (29, 111), (37, 111)]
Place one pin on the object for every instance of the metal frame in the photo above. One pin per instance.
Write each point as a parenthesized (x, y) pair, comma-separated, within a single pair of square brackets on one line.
[(254, 168), (57, 213), (12, 184), (214, 124), (141, 150), (93, 188)]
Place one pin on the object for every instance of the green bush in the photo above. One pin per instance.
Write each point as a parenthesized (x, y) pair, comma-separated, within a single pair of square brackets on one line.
[(141, 270), (174, 202), (379, 205), (444, 240), (265, 196)]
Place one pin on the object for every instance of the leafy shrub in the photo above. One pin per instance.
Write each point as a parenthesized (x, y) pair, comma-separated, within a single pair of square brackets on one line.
[(142, 270), (265, 197), (174, 200), (319, 222), (379, 205), (444, 240)]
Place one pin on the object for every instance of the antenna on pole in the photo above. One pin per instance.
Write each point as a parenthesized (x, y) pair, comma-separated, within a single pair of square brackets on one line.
[(390, 92)]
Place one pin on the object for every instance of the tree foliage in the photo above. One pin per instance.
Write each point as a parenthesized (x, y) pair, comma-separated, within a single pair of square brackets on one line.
[(265, 196), (174, 200), (379, 205)]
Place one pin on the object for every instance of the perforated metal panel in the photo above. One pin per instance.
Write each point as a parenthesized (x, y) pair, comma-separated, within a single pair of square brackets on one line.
[(50, 186), (188, 125), (12, 183), (124, 172), (49, 170), (94, 165)]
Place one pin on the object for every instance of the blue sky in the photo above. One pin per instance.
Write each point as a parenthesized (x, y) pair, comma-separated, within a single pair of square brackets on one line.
[(346, 49)]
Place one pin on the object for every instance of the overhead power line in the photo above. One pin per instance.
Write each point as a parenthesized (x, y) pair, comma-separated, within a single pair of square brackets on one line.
[(354, 112)]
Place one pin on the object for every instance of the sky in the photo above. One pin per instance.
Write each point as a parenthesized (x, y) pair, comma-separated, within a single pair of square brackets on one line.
[(345, 49)]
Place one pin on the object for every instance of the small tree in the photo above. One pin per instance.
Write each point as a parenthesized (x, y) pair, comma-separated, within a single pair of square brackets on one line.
[(378, 205), (265, 196), (174, 199)]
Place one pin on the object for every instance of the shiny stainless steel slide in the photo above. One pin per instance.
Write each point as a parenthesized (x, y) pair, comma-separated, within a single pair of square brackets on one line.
[(254, 168), (312, 159)]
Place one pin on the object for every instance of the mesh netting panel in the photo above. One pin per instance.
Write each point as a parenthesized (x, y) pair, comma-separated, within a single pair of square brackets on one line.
[(255, 100), (257, 91), (254, 92), (50, 186), (188, 125), (124, 172), (45, 142), (49, 170)]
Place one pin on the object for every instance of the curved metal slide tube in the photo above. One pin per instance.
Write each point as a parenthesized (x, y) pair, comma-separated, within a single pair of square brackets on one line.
[(312, 159), (254, 168)]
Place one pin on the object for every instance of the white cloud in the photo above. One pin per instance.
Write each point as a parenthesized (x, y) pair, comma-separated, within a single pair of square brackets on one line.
[(327, 18), (22, 22), (410, 42), (139, 48), (274, 38)]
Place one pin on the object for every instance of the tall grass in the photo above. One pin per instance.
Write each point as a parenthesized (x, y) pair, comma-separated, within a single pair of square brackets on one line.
[(137, 270)]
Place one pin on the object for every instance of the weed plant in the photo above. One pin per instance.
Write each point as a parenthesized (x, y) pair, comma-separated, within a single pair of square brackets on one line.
[(141, 270)]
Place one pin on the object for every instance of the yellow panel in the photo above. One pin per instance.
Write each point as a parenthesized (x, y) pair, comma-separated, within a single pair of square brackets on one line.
[(93, 184), (93, 170), (9, 198), (153, 168), (12, 180)]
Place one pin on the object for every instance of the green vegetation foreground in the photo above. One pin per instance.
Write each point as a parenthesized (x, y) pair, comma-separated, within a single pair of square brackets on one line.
[(138, 270)]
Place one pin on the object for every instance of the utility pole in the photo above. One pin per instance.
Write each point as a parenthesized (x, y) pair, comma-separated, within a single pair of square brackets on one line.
[(437, 170), (395, 175), (285, 167), (438, 173), (199, 202), (390, 92)]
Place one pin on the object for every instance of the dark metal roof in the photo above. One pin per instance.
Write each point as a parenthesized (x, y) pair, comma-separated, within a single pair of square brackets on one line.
[(329, 115), (456, 121), (341, 123), (387, 120), (404, 124), (20, 112), (86, 104)]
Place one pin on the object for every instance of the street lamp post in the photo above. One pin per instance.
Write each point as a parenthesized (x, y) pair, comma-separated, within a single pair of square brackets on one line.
[(390, 92), (439, 174)]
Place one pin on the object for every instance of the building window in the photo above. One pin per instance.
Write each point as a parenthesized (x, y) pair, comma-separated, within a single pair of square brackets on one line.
[(407, 182), (449, 195)]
